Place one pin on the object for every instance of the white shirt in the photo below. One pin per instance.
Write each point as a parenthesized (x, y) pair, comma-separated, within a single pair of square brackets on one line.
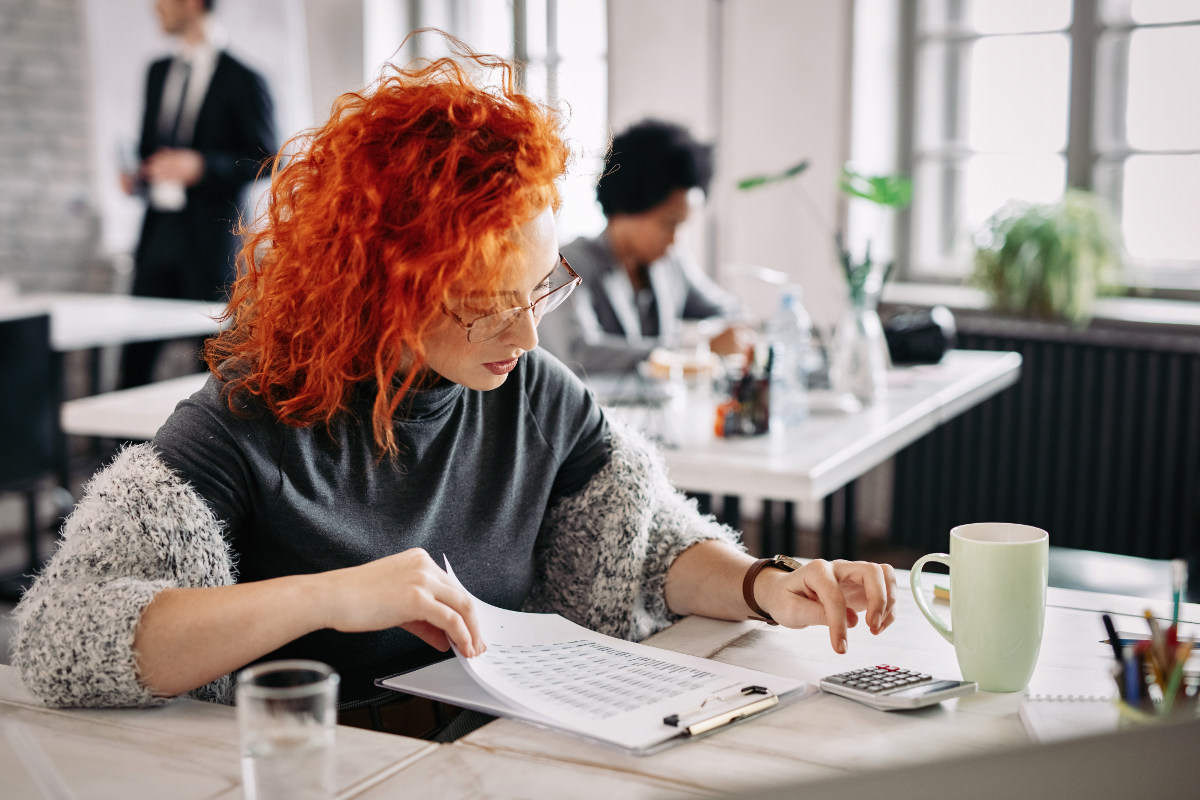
[(201, 59)]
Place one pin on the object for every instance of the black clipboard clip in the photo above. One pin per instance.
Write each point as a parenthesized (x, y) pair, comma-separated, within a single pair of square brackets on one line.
[(718, 711)]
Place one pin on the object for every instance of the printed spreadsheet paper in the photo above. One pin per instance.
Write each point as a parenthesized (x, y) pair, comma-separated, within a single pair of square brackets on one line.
[(545, 669)]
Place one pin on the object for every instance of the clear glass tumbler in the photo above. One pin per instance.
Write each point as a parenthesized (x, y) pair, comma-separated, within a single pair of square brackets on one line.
[(287, 715)]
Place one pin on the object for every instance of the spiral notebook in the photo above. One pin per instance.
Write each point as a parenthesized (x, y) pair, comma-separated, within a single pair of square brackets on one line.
[(1053, 717)]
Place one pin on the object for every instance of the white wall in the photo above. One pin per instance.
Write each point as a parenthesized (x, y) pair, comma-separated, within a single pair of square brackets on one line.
[(768, 81)]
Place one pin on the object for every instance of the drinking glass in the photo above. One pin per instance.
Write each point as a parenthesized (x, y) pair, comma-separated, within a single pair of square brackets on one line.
[(287, 716)]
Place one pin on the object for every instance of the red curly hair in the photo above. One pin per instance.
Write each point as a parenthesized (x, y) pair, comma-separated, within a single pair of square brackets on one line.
[(410, 193)]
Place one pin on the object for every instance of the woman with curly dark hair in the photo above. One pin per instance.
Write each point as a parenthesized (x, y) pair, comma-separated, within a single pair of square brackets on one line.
[(375, 404)]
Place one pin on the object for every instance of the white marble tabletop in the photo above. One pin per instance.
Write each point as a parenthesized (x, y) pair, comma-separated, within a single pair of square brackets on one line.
[(819, 737), (186, 749), (189, 749)]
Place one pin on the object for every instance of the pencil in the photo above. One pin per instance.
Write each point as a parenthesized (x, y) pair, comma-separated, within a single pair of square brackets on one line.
[(1178, 582)]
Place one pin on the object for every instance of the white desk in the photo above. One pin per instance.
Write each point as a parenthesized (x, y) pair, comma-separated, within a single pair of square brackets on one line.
[(190, 748), (128, 414), (820, 737), (83, 321), (828, 450), (88, 322)]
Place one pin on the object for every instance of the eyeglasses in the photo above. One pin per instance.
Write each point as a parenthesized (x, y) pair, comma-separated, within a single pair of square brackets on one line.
[(558, 286)]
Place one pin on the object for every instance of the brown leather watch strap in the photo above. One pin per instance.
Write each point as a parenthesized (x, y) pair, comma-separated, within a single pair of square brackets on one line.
[(748, 588)]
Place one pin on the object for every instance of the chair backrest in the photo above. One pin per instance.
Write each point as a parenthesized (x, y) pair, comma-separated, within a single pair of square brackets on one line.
[(29, 400)]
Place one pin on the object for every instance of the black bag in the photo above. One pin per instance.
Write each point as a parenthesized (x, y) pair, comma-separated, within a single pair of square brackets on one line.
[(920, 336)]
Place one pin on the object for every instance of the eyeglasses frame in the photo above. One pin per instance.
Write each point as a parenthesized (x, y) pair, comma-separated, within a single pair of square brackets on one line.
[(569, 286)]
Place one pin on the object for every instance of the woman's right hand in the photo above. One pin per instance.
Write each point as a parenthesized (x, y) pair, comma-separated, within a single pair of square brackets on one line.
[(407, 590)]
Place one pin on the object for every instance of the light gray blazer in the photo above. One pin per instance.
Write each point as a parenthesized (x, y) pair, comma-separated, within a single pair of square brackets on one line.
[(598, 329)]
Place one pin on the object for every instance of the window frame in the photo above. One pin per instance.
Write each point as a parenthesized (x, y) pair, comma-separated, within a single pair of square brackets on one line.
[(1084, 158)]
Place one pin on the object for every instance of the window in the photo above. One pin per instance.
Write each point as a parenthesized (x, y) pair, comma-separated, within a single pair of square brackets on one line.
[(561, 48), (1022, 98)]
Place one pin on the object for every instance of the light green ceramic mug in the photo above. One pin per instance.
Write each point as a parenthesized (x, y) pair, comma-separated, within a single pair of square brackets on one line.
[(998, 573)]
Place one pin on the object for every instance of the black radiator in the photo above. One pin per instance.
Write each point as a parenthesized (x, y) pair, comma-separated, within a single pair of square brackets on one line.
[(1098, 443)]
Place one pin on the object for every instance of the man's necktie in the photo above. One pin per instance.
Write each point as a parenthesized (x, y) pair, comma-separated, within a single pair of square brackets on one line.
[(172, 138)]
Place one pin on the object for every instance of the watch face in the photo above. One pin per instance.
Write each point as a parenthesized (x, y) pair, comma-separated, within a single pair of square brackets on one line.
[(787, 562)]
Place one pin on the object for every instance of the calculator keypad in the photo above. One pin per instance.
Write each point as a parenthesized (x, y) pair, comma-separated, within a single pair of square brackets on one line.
[(880, 678)]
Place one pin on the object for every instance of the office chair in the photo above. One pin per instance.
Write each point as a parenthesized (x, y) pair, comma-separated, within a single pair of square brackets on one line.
[(30, 439)]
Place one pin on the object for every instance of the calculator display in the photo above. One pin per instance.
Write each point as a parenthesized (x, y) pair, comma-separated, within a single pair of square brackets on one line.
[(925, 688)]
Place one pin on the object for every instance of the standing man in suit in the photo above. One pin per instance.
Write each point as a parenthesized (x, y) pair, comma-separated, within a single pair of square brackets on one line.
[(207, 130)]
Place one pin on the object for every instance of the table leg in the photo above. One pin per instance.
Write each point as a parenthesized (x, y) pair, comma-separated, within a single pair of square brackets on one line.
[(788, 543), (828, 528), (826, 550), (731, 512), (849, 532)]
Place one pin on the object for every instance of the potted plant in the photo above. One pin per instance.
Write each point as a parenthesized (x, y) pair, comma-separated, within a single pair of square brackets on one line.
[(860, 357), (1049, 261), (893, 191)]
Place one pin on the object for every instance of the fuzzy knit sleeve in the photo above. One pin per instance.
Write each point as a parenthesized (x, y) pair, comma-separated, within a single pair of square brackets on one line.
[(603, 552), (138, 530)]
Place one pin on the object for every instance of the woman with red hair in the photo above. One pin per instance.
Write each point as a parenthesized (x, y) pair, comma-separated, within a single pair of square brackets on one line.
[(376, 404)]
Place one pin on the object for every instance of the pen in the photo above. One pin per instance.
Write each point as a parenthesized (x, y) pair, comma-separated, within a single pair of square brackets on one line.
[(1133, 677), (1113, 639), (1127, 639)]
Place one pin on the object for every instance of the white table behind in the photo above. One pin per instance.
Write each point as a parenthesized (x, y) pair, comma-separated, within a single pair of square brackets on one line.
[(829, 450), (134, 414), (82, 321)]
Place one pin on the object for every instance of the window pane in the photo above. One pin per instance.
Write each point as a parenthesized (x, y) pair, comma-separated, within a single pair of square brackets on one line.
[(939, 16), (991, 181), (1020, 16), (583, 87), (1018, 94), (536, 81), (582, 28), (994, 16), (1160, 207), (938, 119), (1150, 11), (934, 217), (535, 29), (1163, 68), (492, 27), (951, 203)]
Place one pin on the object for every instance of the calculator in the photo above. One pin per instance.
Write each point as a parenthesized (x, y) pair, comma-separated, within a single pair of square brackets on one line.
[(890, 688)]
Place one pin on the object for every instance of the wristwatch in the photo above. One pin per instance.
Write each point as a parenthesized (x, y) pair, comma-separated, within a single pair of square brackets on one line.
[(785, 563)]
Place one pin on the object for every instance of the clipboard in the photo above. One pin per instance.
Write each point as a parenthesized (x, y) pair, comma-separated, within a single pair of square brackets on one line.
[(448, 682), (547, 671)]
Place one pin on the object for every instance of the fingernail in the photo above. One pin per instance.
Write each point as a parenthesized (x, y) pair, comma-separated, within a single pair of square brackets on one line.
[(841, 648)]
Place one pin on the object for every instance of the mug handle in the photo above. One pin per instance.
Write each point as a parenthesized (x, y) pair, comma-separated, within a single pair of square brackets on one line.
[(914, 581)]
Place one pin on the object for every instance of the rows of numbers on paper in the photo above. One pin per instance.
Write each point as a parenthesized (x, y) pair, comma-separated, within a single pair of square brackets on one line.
[(594, 679)]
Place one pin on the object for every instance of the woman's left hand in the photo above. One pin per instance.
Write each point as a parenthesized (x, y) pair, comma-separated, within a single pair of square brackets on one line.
[(830, 593)]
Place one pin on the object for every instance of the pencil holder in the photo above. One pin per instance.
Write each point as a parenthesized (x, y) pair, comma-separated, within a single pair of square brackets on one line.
[(1154, 706)]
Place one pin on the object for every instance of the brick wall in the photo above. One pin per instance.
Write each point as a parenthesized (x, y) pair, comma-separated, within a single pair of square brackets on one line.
[(48, 225)]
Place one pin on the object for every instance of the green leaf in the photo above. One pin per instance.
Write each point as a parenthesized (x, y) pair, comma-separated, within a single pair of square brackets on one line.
[(755, 181), (894, 191)]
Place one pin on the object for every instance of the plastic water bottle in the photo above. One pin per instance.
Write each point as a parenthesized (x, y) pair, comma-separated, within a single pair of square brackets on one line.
[(789, 336)]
